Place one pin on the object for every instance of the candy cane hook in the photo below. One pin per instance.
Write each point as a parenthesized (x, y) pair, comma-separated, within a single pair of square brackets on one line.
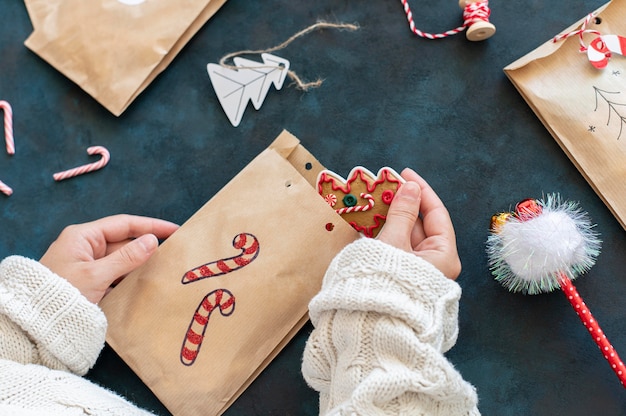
[(220, 298), (8, 126), (358, 208), (602, 47), (249, 246), (106, 156)]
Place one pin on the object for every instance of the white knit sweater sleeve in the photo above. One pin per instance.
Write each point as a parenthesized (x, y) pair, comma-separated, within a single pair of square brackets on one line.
[(383, 320), (49, 335), (45, 320)]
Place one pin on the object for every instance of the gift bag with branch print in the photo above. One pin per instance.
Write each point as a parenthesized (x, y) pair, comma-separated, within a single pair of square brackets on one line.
[(222, 295), (576, 84)]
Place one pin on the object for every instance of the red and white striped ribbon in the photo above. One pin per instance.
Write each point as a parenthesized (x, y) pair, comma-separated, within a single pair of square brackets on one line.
[(580, 32), (473, 12)]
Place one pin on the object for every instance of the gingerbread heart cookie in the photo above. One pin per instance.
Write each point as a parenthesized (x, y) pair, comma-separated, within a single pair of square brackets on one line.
[(363, 198)]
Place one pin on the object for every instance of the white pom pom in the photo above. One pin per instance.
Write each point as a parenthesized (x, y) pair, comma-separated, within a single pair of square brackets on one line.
[(528, 253)]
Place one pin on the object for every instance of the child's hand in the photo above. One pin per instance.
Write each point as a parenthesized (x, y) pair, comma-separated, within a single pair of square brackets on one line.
[(429, 235), (94, 255)]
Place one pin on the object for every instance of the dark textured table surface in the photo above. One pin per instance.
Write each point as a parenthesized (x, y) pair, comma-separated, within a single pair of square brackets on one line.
[(389, 98)]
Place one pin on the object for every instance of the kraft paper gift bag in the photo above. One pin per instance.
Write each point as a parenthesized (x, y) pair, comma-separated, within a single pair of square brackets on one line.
[(583, 107), (222, 295), (113, 49)]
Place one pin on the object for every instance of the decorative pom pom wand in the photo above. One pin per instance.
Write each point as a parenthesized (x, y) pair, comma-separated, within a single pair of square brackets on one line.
[(542, 246)]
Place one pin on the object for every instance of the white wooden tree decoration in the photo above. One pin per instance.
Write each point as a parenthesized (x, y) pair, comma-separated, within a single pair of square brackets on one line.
[(247, 81)]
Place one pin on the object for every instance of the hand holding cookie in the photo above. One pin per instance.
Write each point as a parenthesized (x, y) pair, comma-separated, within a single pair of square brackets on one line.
[(419, 223)]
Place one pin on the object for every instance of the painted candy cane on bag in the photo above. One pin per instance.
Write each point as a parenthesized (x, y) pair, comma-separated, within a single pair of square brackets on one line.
[(602, 47), (221, 299), (249, 246)]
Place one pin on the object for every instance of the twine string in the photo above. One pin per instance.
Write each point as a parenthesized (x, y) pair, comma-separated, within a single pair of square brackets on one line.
[(300, 84)]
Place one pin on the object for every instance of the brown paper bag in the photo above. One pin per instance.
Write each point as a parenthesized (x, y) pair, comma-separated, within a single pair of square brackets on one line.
[(113, 49), (583, 107), (266, 240)]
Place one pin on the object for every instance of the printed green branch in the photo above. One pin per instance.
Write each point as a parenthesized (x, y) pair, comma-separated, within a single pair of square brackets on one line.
[(612, 107)]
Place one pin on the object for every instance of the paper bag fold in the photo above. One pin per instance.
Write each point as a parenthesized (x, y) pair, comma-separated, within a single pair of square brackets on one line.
[(112, 50)]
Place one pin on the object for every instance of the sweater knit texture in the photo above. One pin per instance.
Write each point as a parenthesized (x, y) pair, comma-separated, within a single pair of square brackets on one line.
[(50, 335), (383, 320)]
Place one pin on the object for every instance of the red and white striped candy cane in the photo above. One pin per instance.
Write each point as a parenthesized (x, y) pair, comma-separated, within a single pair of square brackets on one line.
[(8, 126), (221, 299), (358, 208), (5, 189), (93, 150), (602, 47), (249, 246)]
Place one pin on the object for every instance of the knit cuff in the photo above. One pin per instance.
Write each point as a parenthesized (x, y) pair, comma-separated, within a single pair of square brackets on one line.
[(371, 276), (54, 314)]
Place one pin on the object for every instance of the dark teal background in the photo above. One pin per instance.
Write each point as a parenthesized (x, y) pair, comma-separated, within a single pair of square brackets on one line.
[(389, 98)]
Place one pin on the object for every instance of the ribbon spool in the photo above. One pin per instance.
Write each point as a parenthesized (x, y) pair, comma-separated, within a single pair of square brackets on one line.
[(475, 21), (480, 28)]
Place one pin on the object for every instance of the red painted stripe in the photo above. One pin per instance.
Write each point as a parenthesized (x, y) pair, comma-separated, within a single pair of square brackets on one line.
[(206, 304), (241, 261), (240, 242), (253, 248), (193, 337), (205, 271), (188, 354), (218, 296), (201, 319), (228, 303), (223, 266)]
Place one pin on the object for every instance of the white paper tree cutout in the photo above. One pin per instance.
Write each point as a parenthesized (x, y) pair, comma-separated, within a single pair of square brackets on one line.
[(251, 81)]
